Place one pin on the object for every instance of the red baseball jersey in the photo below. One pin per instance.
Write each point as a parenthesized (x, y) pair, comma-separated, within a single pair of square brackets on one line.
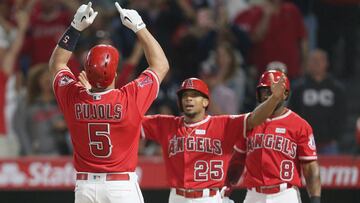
[(275, 149), (105, 126), (196, 155)]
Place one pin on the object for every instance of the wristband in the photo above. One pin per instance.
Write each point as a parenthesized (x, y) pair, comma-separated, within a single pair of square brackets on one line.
[(69, 39), (314, 199)]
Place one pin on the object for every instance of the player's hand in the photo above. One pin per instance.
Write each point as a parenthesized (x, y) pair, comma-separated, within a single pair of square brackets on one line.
[(227, 200), (278, 87), (83, 80), (22, 20), (84, 17), (228, 190), (130, 18)]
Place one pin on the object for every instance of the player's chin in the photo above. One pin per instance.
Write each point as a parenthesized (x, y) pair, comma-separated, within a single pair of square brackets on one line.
[(189, 113)]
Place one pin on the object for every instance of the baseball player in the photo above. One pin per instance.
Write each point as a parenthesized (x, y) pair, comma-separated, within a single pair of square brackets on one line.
[(105, 122), (274, 154), (197, 147)]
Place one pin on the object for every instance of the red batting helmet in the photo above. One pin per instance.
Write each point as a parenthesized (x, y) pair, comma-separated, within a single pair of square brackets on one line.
[(265, 80), (101, 65), (194, 84)]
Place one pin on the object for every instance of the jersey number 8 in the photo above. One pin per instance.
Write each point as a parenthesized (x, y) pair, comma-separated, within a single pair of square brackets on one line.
[(286, 170)]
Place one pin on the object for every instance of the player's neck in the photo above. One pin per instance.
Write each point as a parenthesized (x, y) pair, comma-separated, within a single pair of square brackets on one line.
[(196, 118), (95, 90), (280, 111)]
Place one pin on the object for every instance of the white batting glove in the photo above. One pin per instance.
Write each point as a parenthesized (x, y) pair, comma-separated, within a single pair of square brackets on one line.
[(84, 17), (130, 18), (227, 200)]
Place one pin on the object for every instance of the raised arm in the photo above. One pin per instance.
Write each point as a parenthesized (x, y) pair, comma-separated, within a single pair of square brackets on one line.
[(154, 54), (84, 17), (263, 26), (265, 109), (311, 173), (22, 19)]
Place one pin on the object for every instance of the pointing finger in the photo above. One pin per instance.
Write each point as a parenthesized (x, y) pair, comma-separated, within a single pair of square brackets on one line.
[(88, 7), (118, 7)]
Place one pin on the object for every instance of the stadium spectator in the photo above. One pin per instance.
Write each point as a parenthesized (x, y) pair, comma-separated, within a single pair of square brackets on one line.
[(277, 31), (225, 74), (49, 19), (310, 20), (338, 34), (39, 123), (196, 42), (321, 100), (11, 41)]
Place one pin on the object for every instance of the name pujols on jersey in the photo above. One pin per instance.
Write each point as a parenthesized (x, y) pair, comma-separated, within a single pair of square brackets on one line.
[(98, 111), (272, 141)]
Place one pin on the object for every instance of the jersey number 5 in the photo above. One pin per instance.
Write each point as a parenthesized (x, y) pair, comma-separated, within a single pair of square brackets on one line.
[(99, 137), (204, 170)]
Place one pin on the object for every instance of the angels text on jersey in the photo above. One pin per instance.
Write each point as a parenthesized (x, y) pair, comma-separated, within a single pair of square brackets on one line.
[(178, 144), (272, 141)]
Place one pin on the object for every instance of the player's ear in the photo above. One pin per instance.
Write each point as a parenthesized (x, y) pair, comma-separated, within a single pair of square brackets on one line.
[(205, 102), (286, 94)]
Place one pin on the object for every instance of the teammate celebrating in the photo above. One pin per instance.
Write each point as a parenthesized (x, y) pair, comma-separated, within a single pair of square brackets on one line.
[(197, 147), (105, 122), (274, 153)]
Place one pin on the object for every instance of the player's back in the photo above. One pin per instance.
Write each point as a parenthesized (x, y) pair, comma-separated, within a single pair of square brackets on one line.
[(105, 126), (104, 120)]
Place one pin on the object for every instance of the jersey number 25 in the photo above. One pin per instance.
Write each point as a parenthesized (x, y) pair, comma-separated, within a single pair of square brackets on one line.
[(205, 170)]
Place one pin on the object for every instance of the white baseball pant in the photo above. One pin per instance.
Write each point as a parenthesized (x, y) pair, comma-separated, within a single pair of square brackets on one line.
[(96, 188), (175, 198), (289, 195)]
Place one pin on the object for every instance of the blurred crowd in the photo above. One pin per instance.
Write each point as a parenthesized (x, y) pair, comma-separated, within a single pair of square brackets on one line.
[(227, 43)]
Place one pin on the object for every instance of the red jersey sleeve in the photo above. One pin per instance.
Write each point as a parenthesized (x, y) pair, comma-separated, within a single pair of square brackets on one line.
[(150, 127), (143, 90), (156, 127), (64, 86), (306, 143), (240, 145)]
